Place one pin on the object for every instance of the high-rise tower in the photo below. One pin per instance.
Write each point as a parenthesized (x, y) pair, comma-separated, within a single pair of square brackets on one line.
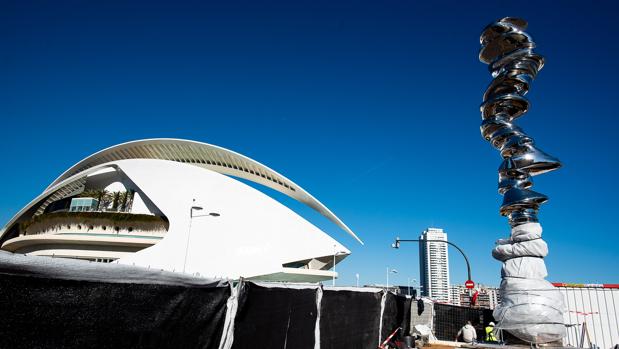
[(434, 265)]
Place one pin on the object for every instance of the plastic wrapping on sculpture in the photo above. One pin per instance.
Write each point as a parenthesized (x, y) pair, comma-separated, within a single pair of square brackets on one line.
[(532, 248), (524, 267), (531, 308)]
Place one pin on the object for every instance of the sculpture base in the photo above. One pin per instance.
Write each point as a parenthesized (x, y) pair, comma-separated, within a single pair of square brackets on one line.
[(531, 308)]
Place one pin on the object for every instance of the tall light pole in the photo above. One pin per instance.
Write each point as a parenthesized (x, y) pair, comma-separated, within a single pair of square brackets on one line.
[(397, 242), (420, 287), (338, 253), (409, 285), (389, 271), (194, 207)]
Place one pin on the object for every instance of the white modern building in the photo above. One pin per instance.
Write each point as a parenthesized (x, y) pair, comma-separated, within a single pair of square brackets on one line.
[(176, 205), (434, 265)]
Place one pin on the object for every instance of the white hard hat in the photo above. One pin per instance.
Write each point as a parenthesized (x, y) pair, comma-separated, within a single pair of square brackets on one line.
[(491, 323)]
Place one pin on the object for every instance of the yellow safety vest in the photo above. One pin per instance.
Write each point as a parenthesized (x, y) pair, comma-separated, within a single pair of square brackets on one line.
[(490, 334)]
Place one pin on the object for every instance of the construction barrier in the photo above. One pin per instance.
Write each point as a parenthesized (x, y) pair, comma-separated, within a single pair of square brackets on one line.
[(448, 319), (275, 317), (37, 311), (60, 303)]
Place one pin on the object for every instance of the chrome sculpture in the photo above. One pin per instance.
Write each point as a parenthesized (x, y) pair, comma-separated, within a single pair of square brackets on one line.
[(531, 308)]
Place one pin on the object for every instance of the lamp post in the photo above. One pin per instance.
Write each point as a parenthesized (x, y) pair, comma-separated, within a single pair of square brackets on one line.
[(194, 207), (397, 242), (389, 271), (357, 276), (338, 253), (409, 285)]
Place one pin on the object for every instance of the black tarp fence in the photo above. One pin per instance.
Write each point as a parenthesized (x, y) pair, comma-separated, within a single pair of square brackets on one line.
[(396, 315), (448, 319), (104, 306), (275, 317), (59, 303), (349, 319)]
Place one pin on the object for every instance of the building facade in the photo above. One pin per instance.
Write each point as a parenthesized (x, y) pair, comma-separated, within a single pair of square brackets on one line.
[(454, 294), (176, 205), (487, 297), (434, 265)]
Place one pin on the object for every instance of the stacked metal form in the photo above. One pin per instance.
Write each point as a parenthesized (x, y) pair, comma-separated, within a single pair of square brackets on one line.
[(530, 307)]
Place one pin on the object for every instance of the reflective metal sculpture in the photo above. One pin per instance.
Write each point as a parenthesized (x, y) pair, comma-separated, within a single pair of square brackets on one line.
[(530, 307)]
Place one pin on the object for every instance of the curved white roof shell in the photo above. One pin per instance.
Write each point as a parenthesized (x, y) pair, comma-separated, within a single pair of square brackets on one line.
[(251, 235), (208, 156)]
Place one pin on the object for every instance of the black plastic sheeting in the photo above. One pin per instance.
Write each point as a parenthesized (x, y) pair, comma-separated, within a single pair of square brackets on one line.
[(448, 319), (61, 303), (41, 312), (47, 303), (349, 319), (275, 317), (397, 314)]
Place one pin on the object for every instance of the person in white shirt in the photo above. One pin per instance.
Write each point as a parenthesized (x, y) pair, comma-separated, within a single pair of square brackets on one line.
[(469, 335)]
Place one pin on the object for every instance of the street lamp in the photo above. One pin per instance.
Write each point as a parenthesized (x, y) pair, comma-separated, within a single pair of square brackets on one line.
[(396, 245), (338, 253), (409, 285), (194, 207), (389, 271)]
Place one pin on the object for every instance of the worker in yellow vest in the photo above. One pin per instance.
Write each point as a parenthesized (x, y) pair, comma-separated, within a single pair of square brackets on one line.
[(490, 333)]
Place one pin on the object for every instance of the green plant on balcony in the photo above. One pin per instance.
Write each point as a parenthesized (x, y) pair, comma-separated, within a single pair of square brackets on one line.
[(110, 201), (137, 221)]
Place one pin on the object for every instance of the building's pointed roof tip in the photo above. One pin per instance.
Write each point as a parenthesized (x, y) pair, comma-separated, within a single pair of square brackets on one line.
[(209, 156)]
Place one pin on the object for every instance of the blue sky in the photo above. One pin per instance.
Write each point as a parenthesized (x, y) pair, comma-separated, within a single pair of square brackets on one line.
[(372, 106)]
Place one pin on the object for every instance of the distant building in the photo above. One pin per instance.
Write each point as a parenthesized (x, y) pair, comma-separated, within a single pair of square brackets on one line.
[(494, 297), (392, 288), (487, 297), (454, 294), (397, 289), (434, 265), (407, 290)]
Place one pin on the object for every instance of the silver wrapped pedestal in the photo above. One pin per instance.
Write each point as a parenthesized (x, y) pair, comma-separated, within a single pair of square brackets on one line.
[(531, 308)]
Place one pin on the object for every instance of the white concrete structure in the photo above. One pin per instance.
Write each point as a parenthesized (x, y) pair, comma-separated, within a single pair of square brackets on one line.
[(434, 265), (214, 225)]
